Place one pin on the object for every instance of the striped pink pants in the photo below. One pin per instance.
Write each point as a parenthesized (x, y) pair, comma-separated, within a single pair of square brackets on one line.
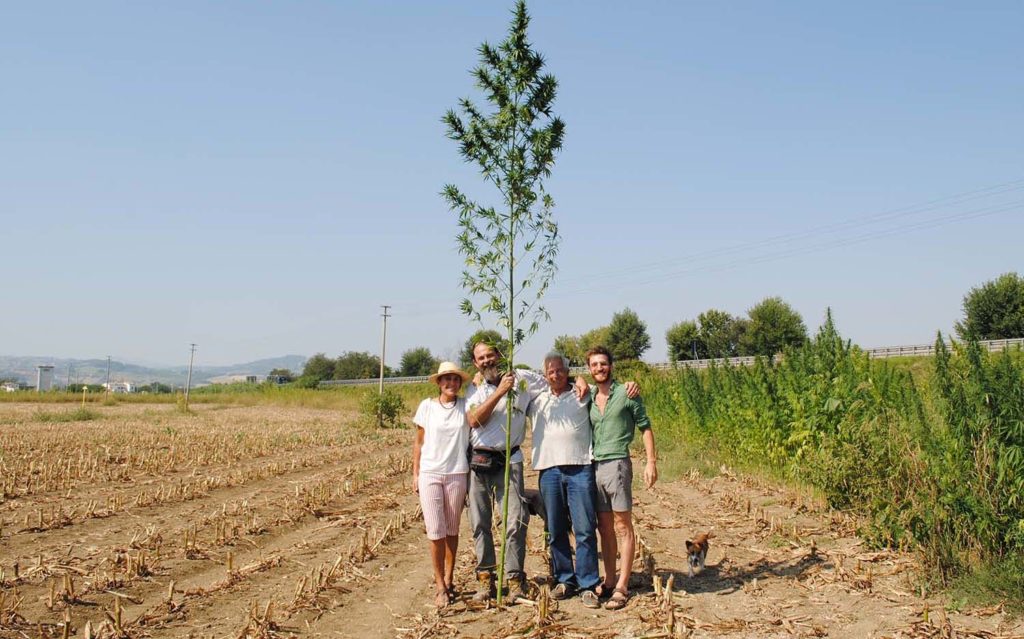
[(442, 498)]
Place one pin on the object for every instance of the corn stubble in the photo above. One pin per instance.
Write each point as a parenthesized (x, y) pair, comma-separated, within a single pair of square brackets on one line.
[(132, 467)]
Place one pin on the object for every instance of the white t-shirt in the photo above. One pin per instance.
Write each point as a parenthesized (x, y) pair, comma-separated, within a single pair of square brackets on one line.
[(492, 434), (445, 437), (562, 434)]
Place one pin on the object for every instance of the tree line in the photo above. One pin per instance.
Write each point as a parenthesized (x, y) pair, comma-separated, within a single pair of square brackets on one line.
[(994, 310), (363, 365), (770, 326)]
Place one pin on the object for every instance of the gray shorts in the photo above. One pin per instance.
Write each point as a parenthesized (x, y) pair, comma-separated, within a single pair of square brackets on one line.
[(614, 485)]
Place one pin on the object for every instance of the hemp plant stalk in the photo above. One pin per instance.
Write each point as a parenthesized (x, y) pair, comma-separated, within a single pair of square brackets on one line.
[(509, 248)]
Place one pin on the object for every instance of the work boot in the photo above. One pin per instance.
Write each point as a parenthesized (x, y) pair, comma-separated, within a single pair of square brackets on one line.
[(516, 588), (561, 591), (484, 586)]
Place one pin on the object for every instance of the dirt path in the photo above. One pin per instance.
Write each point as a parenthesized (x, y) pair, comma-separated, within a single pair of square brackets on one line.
[(336, 548), (775, 569)]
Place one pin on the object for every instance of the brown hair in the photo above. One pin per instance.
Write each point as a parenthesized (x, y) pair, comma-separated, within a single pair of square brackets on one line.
[(599, 350)]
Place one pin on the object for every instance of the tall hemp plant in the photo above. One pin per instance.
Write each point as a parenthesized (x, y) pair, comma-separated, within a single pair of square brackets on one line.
[(509, 248)]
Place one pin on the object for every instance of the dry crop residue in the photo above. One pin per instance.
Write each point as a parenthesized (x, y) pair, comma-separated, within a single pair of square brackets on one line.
[(273, 522)]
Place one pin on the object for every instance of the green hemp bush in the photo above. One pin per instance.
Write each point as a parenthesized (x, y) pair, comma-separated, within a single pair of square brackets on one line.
[(933, 463), (509, 248), (383, 409)]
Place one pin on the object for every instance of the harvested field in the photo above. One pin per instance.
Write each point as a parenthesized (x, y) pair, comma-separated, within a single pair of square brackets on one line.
[(276, 522)]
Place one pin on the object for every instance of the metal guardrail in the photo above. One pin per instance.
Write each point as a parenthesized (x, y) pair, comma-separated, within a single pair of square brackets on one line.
[(992, 346), (376, 380), (747, 360), (918, 350), (913, 350)]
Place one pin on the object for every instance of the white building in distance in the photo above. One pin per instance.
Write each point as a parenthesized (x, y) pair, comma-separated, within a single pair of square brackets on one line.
[(44, 378)]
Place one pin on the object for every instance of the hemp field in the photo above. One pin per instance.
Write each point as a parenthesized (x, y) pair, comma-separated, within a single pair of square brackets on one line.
[(273, 521)]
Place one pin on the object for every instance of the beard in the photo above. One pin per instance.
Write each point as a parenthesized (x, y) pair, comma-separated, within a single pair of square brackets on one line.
[(491, 373)]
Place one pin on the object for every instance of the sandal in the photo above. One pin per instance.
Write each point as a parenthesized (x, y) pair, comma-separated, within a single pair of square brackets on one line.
[(618, 600), (452, 595), (603, 591)]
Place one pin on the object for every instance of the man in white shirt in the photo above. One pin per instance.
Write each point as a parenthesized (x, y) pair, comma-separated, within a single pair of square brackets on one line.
[(488, 419), (486, 405), (562, 447)]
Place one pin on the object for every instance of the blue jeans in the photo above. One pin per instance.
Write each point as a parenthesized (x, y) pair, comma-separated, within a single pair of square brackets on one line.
[(569, 499)]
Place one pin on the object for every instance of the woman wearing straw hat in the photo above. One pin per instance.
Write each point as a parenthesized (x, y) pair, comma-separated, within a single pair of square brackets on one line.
[(440, 472)]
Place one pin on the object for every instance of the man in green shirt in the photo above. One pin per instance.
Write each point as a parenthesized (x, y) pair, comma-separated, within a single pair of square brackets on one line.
[(615, 418)]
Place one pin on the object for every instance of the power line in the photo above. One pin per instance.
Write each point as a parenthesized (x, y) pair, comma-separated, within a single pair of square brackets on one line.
[(769, 257), (634, 275), (850, 223), (781, 241)]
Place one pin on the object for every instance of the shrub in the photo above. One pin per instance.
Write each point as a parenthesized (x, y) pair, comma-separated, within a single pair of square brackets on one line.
[(630, 370), (384, 409), (935, 463), (81, 414)]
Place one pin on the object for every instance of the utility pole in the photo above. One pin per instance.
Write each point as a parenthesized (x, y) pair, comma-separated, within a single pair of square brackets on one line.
[(188, 383), (108, 374), (67, 387), (383, 344)]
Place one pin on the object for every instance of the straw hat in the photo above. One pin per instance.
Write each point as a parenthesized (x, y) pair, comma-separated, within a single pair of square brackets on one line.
[(450, 368)]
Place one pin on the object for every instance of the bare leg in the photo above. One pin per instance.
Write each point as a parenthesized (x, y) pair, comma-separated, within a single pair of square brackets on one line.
[(451, 550), (609, 546), (627, 545), (437, 556)]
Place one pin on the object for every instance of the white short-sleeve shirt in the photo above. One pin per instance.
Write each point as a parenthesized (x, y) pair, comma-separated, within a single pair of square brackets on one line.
[(492, 434), (562, 435), (445, 437)]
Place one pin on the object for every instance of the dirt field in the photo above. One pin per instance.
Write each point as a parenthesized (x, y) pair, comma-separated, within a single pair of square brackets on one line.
[(277, 522)]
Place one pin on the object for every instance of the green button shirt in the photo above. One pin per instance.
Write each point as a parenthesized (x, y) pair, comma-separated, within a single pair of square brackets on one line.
[(613, 430)]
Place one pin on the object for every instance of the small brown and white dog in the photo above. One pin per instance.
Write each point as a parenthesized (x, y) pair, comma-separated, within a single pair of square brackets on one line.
[(697, 551)]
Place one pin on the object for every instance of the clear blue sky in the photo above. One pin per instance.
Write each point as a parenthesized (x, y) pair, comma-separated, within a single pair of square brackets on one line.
[(259, 177)]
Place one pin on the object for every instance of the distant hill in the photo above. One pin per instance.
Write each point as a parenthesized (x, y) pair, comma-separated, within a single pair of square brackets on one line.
[(94, 371)]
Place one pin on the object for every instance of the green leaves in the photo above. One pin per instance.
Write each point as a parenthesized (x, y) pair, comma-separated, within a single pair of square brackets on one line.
[(514, 144), (994, 310), (937, 463), (627, 335)]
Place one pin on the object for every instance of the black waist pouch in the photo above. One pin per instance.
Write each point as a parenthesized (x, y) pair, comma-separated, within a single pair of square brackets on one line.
[(488, 459)]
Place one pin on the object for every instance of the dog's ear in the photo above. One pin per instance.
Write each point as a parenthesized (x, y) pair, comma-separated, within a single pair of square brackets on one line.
[(689, 544), (711, 534)]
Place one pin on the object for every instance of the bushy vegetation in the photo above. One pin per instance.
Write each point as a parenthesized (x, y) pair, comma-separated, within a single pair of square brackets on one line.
[(417, 362), (281, 375), (771, 326), (386, 409), (994, 310), (80, 414), (349, 365), (575, 347), (625, 336), (63, 397), (935, 462), (79, 388)]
